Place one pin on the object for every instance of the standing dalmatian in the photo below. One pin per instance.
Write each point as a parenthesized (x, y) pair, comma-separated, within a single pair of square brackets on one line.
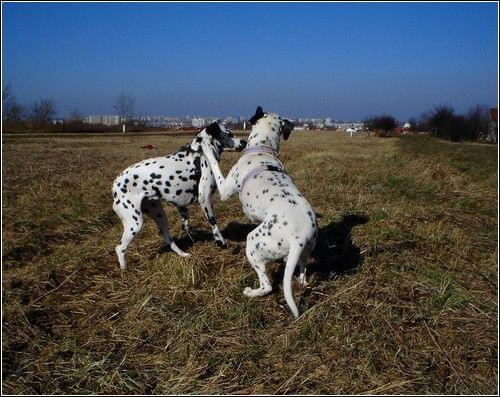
[(181, 178), (288, 228)]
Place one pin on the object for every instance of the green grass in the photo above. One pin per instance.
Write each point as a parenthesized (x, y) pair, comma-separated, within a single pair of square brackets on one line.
[(402, 287)]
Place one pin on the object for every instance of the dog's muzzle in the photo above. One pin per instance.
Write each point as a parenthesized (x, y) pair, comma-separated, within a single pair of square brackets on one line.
[(241, 146)]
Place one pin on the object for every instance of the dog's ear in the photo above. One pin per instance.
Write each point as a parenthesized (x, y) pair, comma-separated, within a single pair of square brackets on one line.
[(213, 130), (287, 129), (259, 113)]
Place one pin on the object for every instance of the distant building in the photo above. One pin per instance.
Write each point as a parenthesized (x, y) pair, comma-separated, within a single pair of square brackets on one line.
[(198, 122), (103, 119), (346, 125)]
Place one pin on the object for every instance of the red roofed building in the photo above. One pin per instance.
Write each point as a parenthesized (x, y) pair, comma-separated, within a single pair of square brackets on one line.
[(494, 114)]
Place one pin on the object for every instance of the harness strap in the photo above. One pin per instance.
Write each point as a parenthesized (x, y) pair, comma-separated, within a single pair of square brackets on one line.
[(257, 171), (260, 149)]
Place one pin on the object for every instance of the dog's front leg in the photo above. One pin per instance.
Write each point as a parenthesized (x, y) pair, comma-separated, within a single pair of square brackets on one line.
[(226, 186), (206, 187)]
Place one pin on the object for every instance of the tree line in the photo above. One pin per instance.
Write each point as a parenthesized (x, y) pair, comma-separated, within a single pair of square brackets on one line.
[(40, 116), (443, 122)]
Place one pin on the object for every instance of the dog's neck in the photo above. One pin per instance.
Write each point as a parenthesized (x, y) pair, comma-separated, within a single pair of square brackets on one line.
[(265, 133)]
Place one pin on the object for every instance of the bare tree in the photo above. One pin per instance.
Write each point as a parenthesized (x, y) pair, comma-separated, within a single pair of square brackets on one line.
[(43, 112), (75, 115), (478, 119), (125, 105), (7, 96), (14, 113)]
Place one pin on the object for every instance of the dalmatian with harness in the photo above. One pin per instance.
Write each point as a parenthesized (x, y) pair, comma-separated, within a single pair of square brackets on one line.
[(181, 178), (288, 227)]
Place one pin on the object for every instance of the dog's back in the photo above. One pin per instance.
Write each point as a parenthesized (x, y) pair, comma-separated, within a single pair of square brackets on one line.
[(173, 178)]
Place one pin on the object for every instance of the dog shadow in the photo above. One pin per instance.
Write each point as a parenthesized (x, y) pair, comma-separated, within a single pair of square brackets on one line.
[(234, 231), (335, 252), (238, 232), (186, 241)]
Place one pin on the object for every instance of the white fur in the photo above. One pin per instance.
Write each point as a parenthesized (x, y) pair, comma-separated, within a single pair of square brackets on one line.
[(180, 178), (288, 226)]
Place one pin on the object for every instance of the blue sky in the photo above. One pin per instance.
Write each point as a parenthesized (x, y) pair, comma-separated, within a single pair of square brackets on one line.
[(344, 60)]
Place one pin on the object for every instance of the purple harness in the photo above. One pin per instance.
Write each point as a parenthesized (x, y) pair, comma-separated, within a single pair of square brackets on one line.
[(260, 149), (258, 170)]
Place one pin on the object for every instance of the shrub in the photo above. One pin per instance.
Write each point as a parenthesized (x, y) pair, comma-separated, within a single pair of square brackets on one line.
[(444, 123), (383, 125)]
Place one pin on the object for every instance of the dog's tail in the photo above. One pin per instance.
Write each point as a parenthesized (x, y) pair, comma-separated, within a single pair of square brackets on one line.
[(291, 263)]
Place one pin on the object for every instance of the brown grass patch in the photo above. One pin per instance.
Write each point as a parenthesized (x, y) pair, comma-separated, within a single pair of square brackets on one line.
[(401, 297)]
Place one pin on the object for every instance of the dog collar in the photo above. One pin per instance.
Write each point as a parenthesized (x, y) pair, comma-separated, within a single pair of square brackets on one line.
[(257, 171), (260, 149)]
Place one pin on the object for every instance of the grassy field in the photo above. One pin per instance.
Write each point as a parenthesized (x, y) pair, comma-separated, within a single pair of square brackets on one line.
[(402, 293)]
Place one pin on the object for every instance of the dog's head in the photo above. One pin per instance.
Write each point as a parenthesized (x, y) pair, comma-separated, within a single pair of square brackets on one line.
[(276, 123), (220, 137)]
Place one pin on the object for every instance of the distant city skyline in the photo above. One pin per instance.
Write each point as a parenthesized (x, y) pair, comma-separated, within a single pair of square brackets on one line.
[(340, 60)]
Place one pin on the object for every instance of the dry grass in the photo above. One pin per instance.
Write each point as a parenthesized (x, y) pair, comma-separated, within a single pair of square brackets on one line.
[(401, 299)]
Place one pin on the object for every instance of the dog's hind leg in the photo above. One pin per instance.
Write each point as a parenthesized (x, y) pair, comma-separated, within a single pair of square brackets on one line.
[(155, 210), (302, 264), (302, 273), (255, 255), (132, 220)]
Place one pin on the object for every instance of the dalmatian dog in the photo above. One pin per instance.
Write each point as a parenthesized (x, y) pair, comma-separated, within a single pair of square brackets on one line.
[(181, 178), (288, 228)]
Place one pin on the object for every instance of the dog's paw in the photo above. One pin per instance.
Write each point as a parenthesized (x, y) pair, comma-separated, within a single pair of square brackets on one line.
[(249, 292), (254, 293), (181, 253)]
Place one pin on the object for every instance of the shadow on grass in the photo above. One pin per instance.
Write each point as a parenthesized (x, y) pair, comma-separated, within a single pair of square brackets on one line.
[(335, 252), (187, 241), (235, 232)]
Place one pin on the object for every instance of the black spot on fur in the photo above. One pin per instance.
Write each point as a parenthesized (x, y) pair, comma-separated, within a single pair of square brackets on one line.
[(157, 191), (214, 131)]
